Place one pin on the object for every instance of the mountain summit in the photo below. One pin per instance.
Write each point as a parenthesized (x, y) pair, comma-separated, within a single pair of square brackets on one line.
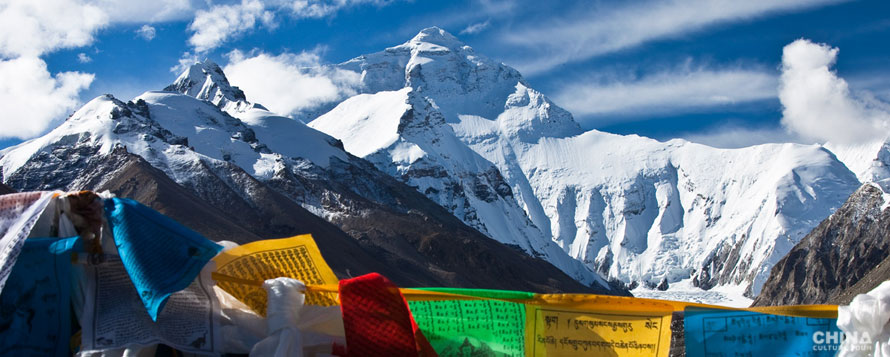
[(472, 135), (436, 36)]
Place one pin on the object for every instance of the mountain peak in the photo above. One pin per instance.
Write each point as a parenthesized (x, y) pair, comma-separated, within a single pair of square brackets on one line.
[(436, 36), (206, 81)]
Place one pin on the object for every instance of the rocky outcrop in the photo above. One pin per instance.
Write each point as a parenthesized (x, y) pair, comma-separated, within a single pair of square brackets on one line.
[(849, 247)]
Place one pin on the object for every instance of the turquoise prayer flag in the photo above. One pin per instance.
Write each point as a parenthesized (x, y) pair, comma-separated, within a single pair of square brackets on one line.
[(160, 255)]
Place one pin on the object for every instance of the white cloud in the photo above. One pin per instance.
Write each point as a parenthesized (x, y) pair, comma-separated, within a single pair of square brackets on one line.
[(150, 11), (667, 92), (475, 28), (147, 32), (36, 27), (30, 96), (32, 99), (185, 61), (213, 27), (819, 105), (324, 8), (602, 31), (129, 11), (32, 28), (288, 83), (220, 23)]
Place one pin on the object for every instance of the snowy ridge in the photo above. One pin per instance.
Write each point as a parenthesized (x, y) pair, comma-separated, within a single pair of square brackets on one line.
[(104, 124), (186, 138), (634, 209), (870, 161), (404, 135)]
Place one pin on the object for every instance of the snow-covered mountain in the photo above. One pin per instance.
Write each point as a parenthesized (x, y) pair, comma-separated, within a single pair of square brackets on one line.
[(473, 136), (436, 122), (260, 170)]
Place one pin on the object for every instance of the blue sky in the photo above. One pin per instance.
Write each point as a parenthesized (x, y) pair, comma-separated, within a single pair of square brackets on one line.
[(707, 71)]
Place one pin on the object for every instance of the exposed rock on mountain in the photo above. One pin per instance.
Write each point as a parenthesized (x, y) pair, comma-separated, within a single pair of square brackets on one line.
[(852, 244)]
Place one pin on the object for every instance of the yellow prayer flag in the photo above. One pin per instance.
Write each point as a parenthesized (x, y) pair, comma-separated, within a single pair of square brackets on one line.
[(595, 325), (240, 271)]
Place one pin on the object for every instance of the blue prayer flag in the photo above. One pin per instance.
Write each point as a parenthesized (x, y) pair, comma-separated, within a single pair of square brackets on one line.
[(35, 312), (713, 332)]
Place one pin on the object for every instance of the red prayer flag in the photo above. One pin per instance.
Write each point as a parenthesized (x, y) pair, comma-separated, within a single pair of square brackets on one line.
[(377, 320)]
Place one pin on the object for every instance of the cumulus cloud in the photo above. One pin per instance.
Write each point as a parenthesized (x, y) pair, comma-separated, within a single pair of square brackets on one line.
[(475, 28), (147, 32), (667, 92), (819, 105), (30, 96), (605, 30), (32, 99), (31, 28), (288, 83), (220, 23)]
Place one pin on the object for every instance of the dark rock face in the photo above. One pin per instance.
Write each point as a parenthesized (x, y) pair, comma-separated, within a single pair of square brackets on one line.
[(845, 248), (5, 189), (231, 218)]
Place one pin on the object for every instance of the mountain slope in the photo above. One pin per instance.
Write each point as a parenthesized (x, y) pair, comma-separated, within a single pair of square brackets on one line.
[(835, 256), (473, 136), (221, 161), (128, 175), (398, 134), (877, 275), (5, 189)]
